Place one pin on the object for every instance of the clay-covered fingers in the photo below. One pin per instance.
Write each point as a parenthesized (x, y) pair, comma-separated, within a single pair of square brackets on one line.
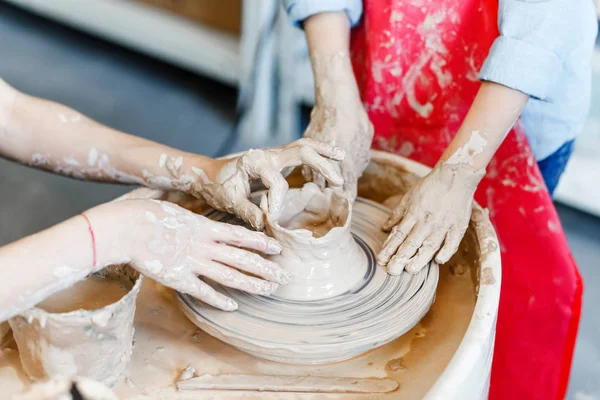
[(310, 158), (396, 237), (329, 169), (250, 262), (241, 237), (307, 174), (314, 177), (350, 189), (195, 287), (249, 213), (277, 186), (426, 252), (232, 278), (324, 149), (397, 214), (319, 180), (451, 243), (409, 248), (234, 202)]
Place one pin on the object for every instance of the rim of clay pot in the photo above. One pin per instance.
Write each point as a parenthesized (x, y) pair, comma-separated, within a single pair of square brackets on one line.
[(307, 234), (36, 312)]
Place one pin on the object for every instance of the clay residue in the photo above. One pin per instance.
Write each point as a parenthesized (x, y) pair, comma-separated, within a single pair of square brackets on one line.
[(487, 276), (159, 323), (381, 181), (288, 383), (96, 343), (339, 117), (68, 389), (319, 227), (444, 327), (466, 154), (231, 189), (317, 246), (480, 221), (90, 294), (310, 210)]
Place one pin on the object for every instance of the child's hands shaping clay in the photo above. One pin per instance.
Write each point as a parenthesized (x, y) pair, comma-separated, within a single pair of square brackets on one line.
[(431, 218), (174, 246), (347, 126), (231, 190)]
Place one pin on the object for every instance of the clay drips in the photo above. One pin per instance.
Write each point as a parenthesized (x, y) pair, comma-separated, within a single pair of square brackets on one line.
[(317, 246)]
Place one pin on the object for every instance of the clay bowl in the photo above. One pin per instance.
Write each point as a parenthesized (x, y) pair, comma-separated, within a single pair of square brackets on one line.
[(96, 344)]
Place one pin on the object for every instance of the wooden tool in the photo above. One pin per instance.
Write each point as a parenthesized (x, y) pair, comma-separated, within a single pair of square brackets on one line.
[(288, 383)]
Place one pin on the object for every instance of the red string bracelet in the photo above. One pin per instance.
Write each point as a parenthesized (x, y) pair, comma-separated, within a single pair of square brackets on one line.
[(93, 238)]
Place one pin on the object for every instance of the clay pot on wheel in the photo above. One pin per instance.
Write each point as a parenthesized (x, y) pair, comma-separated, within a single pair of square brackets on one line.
[(318, 248)]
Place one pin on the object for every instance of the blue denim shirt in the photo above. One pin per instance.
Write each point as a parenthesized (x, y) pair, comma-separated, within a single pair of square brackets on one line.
[(544, 50)]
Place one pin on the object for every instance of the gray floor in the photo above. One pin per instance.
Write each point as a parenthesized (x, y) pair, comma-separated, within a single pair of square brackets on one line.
[(144, 97)]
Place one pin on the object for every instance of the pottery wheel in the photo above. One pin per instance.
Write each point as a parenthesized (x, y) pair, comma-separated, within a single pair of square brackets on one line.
[(379, 309)]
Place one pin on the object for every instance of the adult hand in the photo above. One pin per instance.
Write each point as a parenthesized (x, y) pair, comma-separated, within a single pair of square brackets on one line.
[(347, 126), (174, 246), (431, 218), (230, 191)]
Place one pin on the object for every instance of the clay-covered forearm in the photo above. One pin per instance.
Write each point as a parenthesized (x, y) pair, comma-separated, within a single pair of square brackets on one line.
[(328, 38), (433, 216), (492, 115), (338, 116), (54, 137), (42, 264)]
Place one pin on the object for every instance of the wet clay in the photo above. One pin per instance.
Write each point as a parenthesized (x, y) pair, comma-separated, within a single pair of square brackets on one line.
[(339, 117), (91, 294), (377, 309), (427, 226), (167, 342), (93, 343), (317, 246), (231, 189)]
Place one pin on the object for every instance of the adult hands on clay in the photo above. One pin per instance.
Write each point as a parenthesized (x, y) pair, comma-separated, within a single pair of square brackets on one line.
[(230, 191), (174, 246), (347, 126), (430, 220)]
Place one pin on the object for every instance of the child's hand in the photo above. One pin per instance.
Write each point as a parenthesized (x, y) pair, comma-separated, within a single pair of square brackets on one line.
[(346, 125), (174, 246), (431, 218), (231, 189)]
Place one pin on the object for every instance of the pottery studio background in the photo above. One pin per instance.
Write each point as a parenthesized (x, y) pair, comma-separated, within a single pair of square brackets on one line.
[(185, 96)]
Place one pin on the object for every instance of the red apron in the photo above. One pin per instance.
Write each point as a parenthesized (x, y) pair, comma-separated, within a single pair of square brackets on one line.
[(416, 62)]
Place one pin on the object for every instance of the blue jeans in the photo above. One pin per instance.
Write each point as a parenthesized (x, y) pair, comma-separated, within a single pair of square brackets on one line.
[(553, 166)]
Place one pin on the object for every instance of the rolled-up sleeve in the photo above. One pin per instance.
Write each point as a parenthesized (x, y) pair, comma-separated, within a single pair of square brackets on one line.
[(535, 38), (299, 10)]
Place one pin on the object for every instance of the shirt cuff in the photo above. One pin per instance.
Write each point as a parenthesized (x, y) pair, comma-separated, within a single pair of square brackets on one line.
[(521, 66), (299, 10)]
